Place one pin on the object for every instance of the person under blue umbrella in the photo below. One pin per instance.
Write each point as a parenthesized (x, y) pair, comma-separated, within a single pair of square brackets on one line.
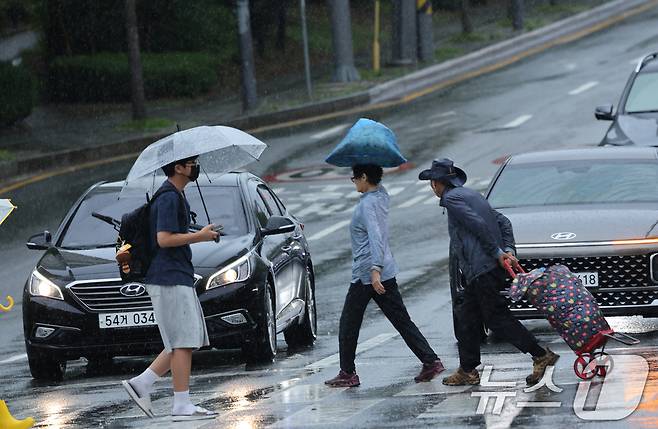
[(374, 267)]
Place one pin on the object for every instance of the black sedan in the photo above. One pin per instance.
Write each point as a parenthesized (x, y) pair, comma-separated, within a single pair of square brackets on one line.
[(636, 119), (257, 281)]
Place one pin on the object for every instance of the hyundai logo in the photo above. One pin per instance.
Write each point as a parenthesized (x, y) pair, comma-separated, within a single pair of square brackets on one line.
[(132, 289), (563, 236)]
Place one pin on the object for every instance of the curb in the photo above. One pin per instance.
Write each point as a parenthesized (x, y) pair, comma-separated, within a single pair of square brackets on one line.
[(426, 80), (373, 102)]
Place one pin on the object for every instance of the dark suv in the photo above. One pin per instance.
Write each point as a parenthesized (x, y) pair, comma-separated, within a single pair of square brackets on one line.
[(257, 281), (636, 119)]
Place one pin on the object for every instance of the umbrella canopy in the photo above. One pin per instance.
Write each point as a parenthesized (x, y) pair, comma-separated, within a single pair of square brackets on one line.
[(6, 207), (367, 142), (220, 149)]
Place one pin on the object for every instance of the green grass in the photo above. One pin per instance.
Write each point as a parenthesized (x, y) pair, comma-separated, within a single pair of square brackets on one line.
[(148, 124), (6, 155), (474, 37), (445, 53)]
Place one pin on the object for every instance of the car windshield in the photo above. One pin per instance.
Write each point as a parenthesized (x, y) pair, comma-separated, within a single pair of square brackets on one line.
[(85, 231), (643, 96), (576, 182)]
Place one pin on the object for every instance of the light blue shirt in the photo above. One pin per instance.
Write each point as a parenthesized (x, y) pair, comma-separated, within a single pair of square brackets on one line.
[(369, 233)]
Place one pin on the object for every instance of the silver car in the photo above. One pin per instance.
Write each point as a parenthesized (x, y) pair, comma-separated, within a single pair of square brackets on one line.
[(594, 210)]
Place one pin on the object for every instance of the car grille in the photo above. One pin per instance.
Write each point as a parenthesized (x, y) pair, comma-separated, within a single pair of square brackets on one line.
[(614, 272), (105, 297)]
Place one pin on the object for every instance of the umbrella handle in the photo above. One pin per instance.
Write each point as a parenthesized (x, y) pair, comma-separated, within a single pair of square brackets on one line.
[(9, 306), (511, 270)]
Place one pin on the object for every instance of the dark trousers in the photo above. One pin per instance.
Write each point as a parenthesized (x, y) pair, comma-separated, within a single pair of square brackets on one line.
[(482, 303), (391, 304)]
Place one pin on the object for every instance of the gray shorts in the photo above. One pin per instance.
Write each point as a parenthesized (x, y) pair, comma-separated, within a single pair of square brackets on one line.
[(179, 316)]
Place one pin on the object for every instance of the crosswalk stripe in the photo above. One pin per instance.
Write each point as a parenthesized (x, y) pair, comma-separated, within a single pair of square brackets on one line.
[(327, 231), (583, 88), (362, 347)]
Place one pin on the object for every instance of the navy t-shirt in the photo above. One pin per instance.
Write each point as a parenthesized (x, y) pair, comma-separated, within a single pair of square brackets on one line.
[(170, 265)]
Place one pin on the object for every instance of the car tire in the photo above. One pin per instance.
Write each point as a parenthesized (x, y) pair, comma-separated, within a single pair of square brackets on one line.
[(99, 365), (261, 346), (304, 334), (43, 367)]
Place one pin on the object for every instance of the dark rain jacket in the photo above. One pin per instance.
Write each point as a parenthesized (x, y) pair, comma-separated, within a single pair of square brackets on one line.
[(478, 233)]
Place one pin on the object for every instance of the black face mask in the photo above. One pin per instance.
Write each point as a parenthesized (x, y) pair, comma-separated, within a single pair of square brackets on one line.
[(195, 173)]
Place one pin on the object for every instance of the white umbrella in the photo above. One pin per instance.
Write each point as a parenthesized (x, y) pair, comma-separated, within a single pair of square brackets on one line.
[(220, 149), (6, 207)]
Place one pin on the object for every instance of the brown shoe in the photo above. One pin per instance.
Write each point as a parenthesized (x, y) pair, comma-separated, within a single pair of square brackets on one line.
[(462, 378), (539, 366), (429, 371)]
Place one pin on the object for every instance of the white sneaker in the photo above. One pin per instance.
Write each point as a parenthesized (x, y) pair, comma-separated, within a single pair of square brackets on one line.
[(198, 414), (143, 403)]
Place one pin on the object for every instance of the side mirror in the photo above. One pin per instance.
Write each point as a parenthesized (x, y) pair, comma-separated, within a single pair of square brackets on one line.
[(278, 225), (40, 241), (604, 113)]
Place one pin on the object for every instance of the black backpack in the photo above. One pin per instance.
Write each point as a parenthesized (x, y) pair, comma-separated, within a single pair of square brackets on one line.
[(134, 247)]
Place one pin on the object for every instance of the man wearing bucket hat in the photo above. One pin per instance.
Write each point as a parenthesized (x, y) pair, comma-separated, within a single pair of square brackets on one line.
[(483, 241)]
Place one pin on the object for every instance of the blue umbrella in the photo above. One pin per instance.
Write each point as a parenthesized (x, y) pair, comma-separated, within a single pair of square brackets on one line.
[(367, 142)]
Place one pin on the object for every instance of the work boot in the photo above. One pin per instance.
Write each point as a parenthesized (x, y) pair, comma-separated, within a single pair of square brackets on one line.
[(429, 371), (344, 379), (539, 366), (462, 378)]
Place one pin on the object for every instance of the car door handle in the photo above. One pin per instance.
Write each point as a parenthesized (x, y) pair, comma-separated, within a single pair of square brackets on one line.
[(286, 248)]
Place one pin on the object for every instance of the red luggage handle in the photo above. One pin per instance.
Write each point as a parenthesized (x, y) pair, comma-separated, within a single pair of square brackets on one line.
[(510, 269)]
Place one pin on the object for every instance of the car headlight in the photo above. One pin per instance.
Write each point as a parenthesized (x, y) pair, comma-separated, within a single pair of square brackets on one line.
[(41, 286), (238, 271)]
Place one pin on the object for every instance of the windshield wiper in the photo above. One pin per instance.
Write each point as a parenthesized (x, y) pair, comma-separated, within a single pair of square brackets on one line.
[(108, 219), (643, 111)]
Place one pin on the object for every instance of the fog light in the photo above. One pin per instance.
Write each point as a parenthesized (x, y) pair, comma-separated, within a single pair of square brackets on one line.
[(235, 319), (43, 332)]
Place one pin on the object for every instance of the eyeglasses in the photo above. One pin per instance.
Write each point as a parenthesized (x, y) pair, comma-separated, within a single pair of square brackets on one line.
[(192, 163)]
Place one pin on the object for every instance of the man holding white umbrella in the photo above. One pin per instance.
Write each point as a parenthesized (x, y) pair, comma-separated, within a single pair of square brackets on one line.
[(170, 277)]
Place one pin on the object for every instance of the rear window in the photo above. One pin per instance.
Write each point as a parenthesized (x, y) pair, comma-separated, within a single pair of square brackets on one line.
[(576, 182), (223, 202), (643, 96)]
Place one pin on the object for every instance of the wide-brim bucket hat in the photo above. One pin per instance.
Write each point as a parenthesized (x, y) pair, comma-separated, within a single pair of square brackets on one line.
[(445, 170)]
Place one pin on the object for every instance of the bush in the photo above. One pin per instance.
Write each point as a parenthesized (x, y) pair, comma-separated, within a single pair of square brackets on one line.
[(106, 77), (89, 27), (17, 95)]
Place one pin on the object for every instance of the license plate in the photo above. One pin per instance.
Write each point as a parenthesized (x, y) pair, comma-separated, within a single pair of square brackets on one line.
[(589, 279), (126, 320)]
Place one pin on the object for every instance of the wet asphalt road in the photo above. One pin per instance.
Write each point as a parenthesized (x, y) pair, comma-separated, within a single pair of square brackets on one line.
[(543, 102)]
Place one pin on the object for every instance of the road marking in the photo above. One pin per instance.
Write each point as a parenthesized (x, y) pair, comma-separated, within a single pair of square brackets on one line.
[(321, 414), (517, 122), (413, 201), (583, 88), (443, 115), (327, 231), (14, 358), (432, 200), (441, 123), (362, 347), (330, 131)]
